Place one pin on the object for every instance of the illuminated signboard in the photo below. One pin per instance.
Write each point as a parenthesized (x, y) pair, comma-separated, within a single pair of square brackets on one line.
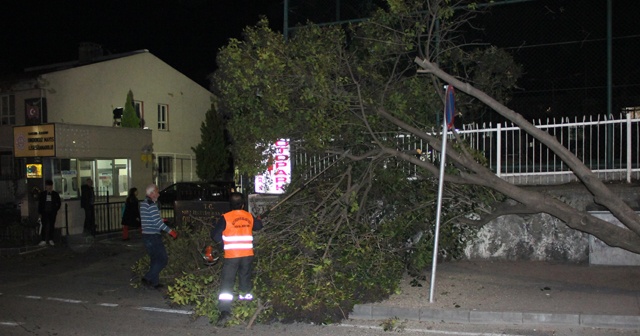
[(34, 140), (278, 174), (34, 170)]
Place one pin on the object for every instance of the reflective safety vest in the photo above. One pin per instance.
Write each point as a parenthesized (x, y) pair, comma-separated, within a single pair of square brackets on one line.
[(238, 234)]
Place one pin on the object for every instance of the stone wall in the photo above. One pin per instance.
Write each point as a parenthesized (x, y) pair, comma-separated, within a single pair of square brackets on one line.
[(541, 236)]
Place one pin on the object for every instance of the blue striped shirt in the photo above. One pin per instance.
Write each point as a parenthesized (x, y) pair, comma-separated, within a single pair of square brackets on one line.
[(150, 218)]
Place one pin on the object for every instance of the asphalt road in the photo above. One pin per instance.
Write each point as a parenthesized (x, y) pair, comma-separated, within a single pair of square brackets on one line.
[(86, 291)]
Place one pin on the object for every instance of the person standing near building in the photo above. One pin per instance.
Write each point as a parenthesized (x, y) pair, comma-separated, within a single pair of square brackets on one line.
[(48, 205), (87, 201), (131, 213), (152, 227), (235, 230)]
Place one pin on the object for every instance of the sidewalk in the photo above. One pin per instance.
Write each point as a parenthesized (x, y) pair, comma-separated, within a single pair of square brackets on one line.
[(517, 292)]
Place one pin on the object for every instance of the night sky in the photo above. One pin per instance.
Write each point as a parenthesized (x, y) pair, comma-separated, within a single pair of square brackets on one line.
[(560, 43), (186, 34)]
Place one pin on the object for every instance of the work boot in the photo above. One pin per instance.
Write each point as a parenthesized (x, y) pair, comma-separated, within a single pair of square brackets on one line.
[(223, 318), (146, 283)]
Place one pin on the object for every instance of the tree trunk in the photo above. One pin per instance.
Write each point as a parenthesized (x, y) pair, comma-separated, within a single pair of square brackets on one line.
[(576, 219)]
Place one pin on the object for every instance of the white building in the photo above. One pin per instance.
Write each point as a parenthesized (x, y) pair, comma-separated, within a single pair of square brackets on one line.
[(76, 101)]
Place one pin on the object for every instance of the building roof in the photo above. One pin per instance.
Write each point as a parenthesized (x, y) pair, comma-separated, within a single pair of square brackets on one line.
[(80, 62)]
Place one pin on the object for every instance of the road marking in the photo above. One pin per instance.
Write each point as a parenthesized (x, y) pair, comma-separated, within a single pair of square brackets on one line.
[(108, 304), (162, 310), (65, 300), (10, 324)]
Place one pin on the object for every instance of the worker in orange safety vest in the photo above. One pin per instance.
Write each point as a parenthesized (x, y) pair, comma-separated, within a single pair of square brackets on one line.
[(234, 230)]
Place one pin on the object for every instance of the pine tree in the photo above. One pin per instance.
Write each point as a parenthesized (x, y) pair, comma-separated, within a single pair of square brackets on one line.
[(212, 154), (129, 117)]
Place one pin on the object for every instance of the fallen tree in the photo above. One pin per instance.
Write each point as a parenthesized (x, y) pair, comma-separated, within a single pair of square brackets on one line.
[(354, 91), (535, 202)]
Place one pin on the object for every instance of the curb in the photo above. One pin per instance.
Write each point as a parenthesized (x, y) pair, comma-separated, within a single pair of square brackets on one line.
[(372, 312)]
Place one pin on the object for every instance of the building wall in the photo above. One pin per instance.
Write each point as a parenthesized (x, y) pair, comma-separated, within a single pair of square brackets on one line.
[(21, 91), (95, 142), (12, 191), (88, 94), (91, 142), (80, 101), (85, 141)]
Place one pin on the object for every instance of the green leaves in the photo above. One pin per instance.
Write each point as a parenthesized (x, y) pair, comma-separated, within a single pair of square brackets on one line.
[(129, 117), (344, 240), (272, 89)]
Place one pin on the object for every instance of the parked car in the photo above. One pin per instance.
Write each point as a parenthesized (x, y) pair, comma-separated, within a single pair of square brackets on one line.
[(195, 191)]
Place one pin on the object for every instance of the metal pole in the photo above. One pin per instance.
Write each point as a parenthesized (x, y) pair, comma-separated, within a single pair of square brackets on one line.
[(285, 24), (609, 59), (443, 152), (609, 150)]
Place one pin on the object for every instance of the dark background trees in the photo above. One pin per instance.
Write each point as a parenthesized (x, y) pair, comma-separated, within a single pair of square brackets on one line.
[(212, 155)]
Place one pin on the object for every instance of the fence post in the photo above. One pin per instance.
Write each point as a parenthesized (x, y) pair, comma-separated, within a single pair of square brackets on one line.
[(629, 165), (498, 149), (66, 218), (108, 214)]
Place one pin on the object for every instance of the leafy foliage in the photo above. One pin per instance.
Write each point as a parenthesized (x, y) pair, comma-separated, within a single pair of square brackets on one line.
[(198, 291), (347, 237), (191, 280), (129, 117)]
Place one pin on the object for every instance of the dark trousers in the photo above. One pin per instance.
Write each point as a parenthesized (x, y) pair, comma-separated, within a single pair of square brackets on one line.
[(232, 267), (158, 257), (90, 220), (48, 225)]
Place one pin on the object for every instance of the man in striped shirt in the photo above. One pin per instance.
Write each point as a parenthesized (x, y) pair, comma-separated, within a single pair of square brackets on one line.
[(152, 227)]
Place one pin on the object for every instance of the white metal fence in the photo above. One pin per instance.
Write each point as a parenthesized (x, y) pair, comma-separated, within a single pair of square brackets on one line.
[(607, 146)]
